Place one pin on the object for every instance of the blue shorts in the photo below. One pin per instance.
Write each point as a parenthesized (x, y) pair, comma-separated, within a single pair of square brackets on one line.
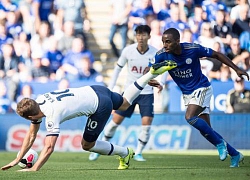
[(108, 101), (146, 106)]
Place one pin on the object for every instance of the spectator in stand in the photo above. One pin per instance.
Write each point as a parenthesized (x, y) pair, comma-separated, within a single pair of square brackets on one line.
[(214, 73), (19, 43), (41, 10), (139, 14), (156, 34), (188, 7), (40, 73), (222, 28), (196, 21), (75, 11), (28, 19), (26, 92), (211, 7), (6, 6), (225, 74), (245, 40), (235, 11), (187, 36), (87, 72), (120, 10), (161, 9), (238, 98), (26, 64), (53, 57), (242, 23), (12, 25), (4, 101), (9, 70), (5, 37), (175, 21), (63, 84), (207, 37), (71, 62), (40, 41), (239, 56), (65, 42)]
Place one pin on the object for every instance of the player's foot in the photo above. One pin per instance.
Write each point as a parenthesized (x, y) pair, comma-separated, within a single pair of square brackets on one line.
[(160, 68), (124, 162), (222, 149), (139, 157), (235, 160), (93, 156)]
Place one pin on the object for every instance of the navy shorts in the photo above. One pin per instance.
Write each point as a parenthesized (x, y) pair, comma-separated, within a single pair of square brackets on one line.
[(146, 106), (108, 101)]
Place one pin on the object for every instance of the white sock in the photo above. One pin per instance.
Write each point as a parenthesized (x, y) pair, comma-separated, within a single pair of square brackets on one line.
[(109, 130), (135, 89), (143, 138), (106, 148)]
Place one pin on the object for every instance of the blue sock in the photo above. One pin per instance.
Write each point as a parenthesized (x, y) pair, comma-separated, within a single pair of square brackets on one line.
[(205, 129), (231, 151)]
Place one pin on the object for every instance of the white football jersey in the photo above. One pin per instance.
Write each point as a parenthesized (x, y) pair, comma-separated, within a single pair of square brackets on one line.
[(136, 64), (62, 105)]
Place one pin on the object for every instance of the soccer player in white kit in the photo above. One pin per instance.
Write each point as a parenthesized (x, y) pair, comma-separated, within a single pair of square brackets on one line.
[(95, 102), (136, 56)]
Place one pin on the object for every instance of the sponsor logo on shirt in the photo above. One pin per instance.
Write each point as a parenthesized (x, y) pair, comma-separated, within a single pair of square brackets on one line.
[(187, 73)]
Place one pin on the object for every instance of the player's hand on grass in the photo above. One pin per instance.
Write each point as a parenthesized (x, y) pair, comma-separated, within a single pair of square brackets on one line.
[(156, 84), (10, 165), (26, 169)]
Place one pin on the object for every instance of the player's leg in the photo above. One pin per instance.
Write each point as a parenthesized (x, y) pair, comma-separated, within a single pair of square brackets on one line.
[(143, 137), (147, 113), (108, 133), (135, 89), (95, 125), (236, 156), (198, 103), (204, 128), (110, 128)]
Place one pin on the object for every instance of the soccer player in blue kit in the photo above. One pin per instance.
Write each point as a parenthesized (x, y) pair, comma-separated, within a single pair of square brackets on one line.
[(195, 87)]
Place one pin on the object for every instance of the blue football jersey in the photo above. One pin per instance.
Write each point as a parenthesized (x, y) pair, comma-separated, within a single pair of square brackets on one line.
[(187, 75)]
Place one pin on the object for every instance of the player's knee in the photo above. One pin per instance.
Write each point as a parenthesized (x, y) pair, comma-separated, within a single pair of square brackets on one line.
[(87, 145), (188, 117), (191, 120), (125, 105)]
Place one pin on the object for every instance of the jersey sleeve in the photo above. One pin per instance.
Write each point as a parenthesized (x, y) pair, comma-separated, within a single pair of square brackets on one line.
[(123, 58), (120, 64), (37, 122), (205, 52), (52, 126)]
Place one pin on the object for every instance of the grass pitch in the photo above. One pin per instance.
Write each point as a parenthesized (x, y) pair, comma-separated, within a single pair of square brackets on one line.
[(159, 166)]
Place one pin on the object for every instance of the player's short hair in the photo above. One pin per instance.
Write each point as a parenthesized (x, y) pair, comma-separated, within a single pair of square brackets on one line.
[(174, 32), (27, 107), (142, 29)]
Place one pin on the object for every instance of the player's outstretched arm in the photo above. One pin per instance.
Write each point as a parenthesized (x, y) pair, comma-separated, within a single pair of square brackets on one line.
[(225, 60), (48, 149), (10, 165), (27, 143)]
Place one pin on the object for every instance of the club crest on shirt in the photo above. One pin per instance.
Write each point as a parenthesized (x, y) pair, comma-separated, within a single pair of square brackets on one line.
[(152, 61), (50, 125), (188, 61)]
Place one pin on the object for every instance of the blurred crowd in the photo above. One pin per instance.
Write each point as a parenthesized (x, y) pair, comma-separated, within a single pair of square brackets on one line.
[(45, 40)]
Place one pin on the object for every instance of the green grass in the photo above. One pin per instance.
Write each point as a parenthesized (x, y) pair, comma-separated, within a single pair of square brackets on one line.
[(159, 166)]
